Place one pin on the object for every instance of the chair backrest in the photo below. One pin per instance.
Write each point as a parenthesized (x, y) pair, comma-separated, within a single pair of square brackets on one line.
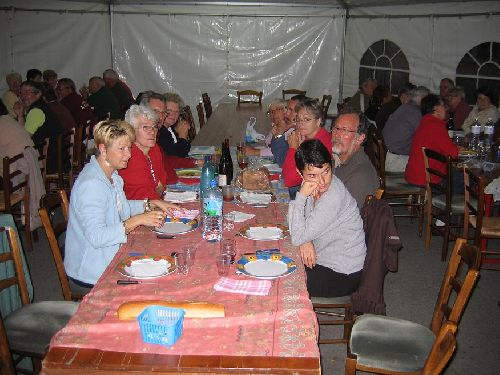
[(65, 142), (254, 96), (460, 276), (188, 115), (49, 203), (474, 203), (431, 158), (14, 255), (207, 103), (293, 92), (379, 152), (325, 103), (6, 364), (42, 148), (80, 146), (442, 350), (201, 115), (15, 188)]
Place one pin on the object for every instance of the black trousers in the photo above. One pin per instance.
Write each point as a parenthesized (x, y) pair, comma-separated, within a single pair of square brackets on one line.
[(325, 282)]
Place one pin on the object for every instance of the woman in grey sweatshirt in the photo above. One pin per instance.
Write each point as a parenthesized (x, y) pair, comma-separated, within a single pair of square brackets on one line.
[(325, 222)]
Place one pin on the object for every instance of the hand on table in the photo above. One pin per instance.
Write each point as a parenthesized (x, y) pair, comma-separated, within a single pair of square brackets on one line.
[(308, 254), (165, 207)]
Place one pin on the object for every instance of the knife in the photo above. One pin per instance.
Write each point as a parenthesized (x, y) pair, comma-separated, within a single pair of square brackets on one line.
[(128, 282), (165, 236)]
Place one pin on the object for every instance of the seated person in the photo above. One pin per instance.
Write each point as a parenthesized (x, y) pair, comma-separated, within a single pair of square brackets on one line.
[(100, 216), (325, 222), (458, 109), (145, 175), (174, 130), (432, 134), (79, 109), (102, 101), (309, 126), (483, 110), (390, 106), (276, 112)]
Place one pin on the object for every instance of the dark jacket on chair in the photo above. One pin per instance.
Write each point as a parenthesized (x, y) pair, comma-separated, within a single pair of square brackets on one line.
[(383, 243)]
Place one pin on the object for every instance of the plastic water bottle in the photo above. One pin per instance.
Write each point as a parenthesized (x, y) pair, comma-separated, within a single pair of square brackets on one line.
[(475, 139), (207, 175), (212, 213), (489, 130)]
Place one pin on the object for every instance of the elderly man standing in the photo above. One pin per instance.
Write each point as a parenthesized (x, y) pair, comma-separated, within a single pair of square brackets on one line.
[(399, 130), (458, 109), (353, 167), (11, 96), (145, 175), (40, 121), (120, 90), (102, 101)]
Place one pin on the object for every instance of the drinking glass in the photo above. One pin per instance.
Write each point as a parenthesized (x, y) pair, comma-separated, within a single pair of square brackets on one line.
[(242, 161), (190, 251), (240, 149), (228, 247), (182, 263), (228, 193), (228, 222), (223, 262)]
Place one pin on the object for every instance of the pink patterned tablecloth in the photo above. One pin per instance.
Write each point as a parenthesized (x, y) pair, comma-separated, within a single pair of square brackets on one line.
[(281, 324)]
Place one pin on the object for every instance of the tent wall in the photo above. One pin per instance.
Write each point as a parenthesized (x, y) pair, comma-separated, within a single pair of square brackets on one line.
[(187, 50), (434, 38)]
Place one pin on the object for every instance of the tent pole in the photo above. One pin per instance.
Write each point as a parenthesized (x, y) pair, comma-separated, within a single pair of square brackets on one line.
[(342, 57), (111, 38)]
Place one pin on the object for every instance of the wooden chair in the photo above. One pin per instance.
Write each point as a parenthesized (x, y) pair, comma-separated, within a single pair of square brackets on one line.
[(49, 204), (441, 203), (292, 92), (201, 115), (325, 104), (207, 104), (6, 363), (15, 196), (188, 115), (386, 345), (326, 306), (30, 328), (63, 177), (485, 227), (397, 191), (82, 136), (254, 96)]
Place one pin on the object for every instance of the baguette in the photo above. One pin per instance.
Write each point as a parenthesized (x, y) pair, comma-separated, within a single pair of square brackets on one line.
[(131, 310)]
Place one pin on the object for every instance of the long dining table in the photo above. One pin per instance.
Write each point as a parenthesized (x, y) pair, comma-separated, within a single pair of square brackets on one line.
[(229, 120), (259, 334)]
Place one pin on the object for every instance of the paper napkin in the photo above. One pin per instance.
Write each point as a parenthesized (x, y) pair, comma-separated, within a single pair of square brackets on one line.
[(180, 196), (252, 198), (241, 216), (253, 287)]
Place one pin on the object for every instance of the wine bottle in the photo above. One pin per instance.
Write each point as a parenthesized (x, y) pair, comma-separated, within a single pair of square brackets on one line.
[(223, 166), (229, 163)]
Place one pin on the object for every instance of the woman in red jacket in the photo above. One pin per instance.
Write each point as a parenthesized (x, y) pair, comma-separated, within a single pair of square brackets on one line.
[(433, 134), (309, 126)]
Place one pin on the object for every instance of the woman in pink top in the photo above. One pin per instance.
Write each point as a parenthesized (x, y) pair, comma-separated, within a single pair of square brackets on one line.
[(309, 126)]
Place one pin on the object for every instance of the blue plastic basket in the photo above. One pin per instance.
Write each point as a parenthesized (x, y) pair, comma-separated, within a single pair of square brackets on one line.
[(161, 325)]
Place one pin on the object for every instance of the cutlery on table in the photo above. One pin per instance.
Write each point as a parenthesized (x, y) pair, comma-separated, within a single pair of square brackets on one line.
[(165, 236), (129, 282)]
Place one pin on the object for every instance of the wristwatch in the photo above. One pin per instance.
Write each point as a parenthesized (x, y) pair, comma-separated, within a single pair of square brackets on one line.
[(147, 206)]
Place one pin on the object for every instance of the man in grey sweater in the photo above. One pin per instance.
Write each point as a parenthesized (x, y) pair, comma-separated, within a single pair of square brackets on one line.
[(325, 222)]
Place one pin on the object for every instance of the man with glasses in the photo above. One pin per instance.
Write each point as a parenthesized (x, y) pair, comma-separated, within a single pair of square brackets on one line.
[(353, 167), (145, 176)]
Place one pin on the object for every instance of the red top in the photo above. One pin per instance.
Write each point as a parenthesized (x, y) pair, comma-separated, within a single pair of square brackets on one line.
[(290, 174), (432, 134), (138, 178), (171, 162)]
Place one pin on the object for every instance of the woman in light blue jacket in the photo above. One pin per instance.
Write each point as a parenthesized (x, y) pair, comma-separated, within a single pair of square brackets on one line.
[(100, 216)]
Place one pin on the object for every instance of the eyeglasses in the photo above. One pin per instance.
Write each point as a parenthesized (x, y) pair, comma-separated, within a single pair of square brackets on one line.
[(343, 130), (148, 129), (303, 120)]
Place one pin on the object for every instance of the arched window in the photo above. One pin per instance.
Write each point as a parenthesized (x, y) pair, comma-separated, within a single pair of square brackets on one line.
[(385, 62), (479, 67)]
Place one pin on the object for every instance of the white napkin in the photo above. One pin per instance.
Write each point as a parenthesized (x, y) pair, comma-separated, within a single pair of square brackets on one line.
[(241, 216), (273, 168), (265, 233), (147, 268), (494, 188), (180, 196), (252, 198), (202, 150)]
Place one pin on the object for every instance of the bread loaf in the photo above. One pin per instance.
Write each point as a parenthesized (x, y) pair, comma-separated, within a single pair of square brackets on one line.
[(254, 179), (132, 309)]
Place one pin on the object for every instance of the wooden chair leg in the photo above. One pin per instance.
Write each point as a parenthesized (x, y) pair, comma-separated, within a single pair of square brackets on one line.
[(428, 230), (446, 239), (350, 366)]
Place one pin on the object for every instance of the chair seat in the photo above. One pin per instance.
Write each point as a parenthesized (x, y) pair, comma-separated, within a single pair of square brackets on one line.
[(397, 183), (31, 327), (389, 343), (331, 300), (491, 226), (14, 199), (457, 202)]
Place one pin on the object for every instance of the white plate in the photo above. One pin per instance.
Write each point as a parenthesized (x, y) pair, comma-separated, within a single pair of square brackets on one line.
[(174, 228), (146, 266), (266, 268)]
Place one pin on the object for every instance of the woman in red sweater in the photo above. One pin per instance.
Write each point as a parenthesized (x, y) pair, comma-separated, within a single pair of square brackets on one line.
[(309, 126), (432, 134)]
